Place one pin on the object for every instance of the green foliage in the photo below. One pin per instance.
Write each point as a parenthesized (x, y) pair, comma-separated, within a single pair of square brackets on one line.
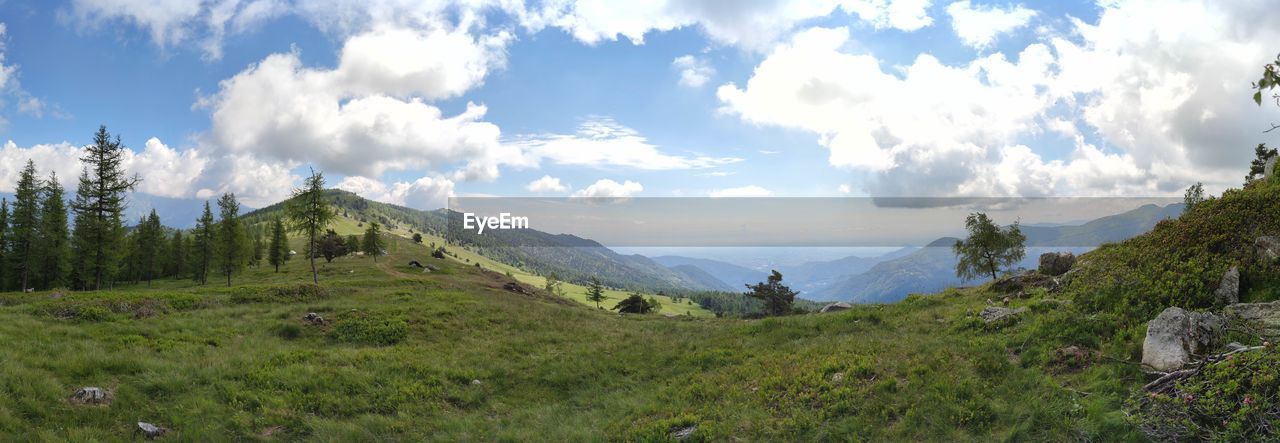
[(278, 250), (1257, 167), (777, 298), (330, 246), (635, 303), (362, 328), (1233, 400), (372, 243), (230, 237), (1193, 197), (24, 227), (98, 207), (989, 248), (203, 244), (1270, 80), (308, 213), (595, 292), (54, 236)]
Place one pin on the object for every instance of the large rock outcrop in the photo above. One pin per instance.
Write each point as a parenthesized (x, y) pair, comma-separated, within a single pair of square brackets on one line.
[(1056, 263), (1228, 291), (1177, 336), (1263, 318), (1268, 247)]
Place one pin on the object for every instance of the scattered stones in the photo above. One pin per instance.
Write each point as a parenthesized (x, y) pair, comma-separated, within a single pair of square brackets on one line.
[(1228, 291), (992, 314), (1176, 336), (314, 319), (836, 307), (1268, 247), (682, 434), (91, 395), (150, 431), (1025, 281), (1261, 317), (1056, 263)]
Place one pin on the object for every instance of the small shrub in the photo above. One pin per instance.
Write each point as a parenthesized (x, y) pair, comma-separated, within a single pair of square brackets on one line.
[(365, 329)]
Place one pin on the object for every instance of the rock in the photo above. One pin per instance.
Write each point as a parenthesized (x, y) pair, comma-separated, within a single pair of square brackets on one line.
[(1269, 169), (1024, 281), (682, 434), (150, 431), (1176, 336), (1005, 301), (90, 395), (1261, 317), (992, 314), (1056, 263), (514, 287), (415, 264), (313, 319), (475, 382), (1228, 291), (836, 307), (1268, 247), (1073, 358), (837, 377)]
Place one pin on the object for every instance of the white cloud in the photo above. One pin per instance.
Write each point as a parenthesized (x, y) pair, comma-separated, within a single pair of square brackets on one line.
[(546, 184), (368, 115), (606, 188), (979, 26), (602, 142), (693, 72), (845, 189), (164, 171), (743, 191), (426, 193)]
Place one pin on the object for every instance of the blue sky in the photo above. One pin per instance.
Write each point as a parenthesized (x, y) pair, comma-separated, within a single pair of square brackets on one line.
[(411, 103)]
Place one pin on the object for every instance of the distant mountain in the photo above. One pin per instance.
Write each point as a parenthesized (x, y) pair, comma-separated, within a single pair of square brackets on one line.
[(932, 268), (814, 277), (702, 277), (731, 275)]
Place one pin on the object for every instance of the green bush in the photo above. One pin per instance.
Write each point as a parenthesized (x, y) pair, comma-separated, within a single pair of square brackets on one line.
[(366, 329), (1233, 400)]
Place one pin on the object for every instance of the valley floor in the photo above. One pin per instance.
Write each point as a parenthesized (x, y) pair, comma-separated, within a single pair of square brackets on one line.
[(452, 356)]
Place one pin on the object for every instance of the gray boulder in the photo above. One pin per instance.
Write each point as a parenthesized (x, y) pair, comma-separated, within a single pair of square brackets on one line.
[(90, 395), (1268, 247), (1269, 170), (1056, 263), (1228, 291), (992, 314), (150, 431), (835, 307), (1261, 317), (1177, 336)]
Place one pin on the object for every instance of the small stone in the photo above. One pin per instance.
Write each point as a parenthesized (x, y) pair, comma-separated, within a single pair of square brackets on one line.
[(475, 382), (91, 395), (837, 377), (314, 319), (150, 431), (682, 434), (837, 306), (994, 314)]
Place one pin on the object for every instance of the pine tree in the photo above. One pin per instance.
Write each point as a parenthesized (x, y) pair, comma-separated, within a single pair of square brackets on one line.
[(279, 248), (230, 236), (202, 245), (4, 240), (373, 244), (25, 227), (309, 214), (776, 296), (177, 255), (258, 248), (99, 205), (54, 243), (353, 243), (595, 292), (147, 240)]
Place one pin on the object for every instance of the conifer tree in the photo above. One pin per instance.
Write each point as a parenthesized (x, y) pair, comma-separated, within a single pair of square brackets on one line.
[(54, 243), (373, 244), (25, 227), (147, 240), (4, 240), (99, 205), (230, 236), (177, 255), (279, 248), (309, 214), (595, 292), (202, 245)]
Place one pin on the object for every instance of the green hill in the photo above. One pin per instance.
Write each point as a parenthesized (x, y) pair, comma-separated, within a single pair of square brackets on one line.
[(460, 354)]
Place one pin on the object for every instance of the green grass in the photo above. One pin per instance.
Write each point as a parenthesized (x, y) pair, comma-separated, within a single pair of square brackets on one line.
[(401, 354)]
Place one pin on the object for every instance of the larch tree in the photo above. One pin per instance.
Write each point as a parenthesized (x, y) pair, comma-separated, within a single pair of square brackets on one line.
[(595, 292), (230, 236), (278, 251), (309, 214), (99, 206), (177, 254), (372, 243), (148, 236), (202, 245), (54, 241), (24, 234)]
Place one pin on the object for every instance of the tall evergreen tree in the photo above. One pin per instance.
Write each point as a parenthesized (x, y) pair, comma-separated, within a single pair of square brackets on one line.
[(309, 214), (202, 245), (259, 248), (25, 227), (230, 236), (54, 243), (372, 243), (595, 292), (4, 240), (99, 205), (177, 255), (147, 239), (279, 248)]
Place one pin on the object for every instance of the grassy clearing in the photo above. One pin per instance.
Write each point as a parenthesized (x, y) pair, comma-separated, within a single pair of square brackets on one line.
[(451, 356)]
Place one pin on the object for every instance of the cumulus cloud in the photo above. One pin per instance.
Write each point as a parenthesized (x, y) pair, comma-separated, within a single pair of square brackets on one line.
[(426, 193), (742, 191), (606, 188), (1159, 90), (693, 72), (164, 171), (369, 114), (602, 142), (979, 26), (547, 184)]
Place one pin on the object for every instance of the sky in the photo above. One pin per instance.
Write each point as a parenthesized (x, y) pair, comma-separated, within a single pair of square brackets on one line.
[(412, 102)]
